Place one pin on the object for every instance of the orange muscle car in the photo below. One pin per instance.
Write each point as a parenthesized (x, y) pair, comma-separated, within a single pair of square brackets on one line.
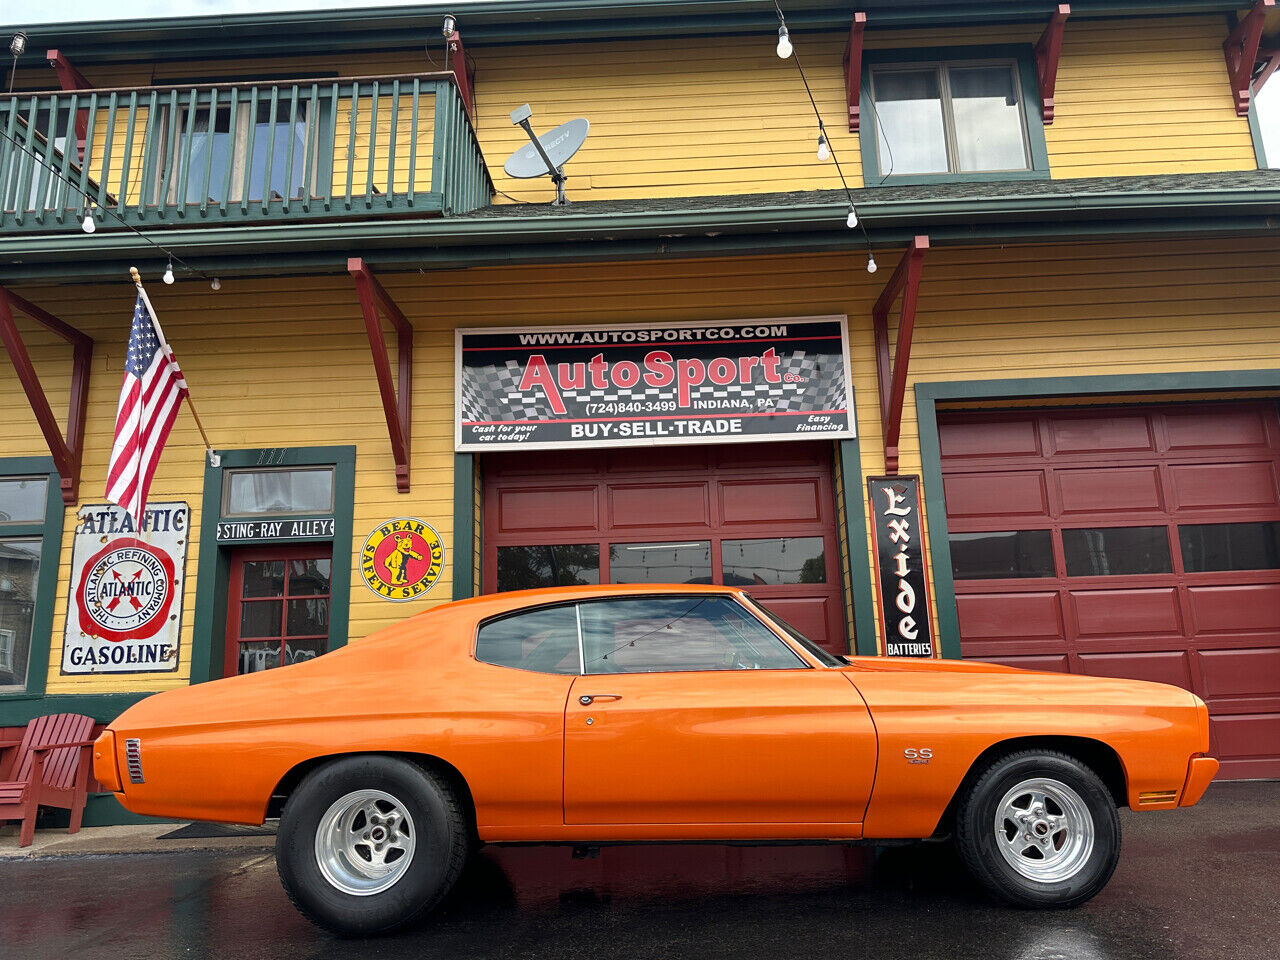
[(594, 715)]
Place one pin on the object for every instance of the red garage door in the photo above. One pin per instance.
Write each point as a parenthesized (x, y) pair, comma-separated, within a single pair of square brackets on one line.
[(761, 517), (1130, 542)]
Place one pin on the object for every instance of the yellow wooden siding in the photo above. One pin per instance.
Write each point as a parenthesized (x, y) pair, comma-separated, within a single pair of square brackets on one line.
[(689, 116), (286, 363), (358, 160)]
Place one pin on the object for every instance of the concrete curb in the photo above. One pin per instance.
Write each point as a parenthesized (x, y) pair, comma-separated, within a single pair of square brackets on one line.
[(128, 839)]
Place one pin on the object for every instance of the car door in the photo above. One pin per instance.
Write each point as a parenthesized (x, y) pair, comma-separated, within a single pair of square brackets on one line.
[(692, 711)]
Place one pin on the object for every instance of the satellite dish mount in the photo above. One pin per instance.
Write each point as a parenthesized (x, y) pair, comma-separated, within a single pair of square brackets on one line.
[(546, 155)]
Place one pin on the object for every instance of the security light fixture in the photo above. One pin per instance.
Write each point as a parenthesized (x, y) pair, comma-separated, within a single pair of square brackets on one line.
[(18, 45), (450, 26)]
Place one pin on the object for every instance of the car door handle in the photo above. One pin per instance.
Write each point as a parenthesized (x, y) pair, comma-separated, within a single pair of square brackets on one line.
[(586, 700)]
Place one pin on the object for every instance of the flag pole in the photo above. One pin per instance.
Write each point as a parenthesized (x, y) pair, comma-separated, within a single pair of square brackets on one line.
[(214, 459)]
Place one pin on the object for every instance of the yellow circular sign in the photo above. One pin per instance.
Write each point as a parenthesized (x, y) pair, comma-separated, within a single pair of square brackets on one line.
[(402, 559)]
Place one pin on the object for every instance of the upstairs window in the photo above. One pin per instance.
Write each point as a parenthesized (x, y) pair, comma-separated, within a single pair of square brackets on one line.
[(1265, 120), (959, 114)]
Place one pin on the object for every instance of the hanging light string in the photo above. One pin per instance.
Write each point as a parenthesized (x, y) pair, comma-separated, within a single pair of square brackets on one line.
[(89, 225), (786, 51)]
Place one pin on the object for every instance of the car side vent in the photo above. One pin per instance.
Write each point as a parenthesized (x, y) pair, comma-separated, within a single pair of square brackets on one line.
[(133, 754), (1157, 796)]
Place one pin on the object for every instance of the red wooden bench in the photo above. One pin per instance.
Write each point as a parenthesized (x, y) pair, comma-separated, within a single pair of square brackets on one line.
[(49, 768)]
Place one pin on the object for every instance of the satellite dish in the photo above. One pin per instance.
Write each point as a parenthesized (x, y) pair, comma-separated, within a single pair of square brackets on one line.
[(546, 155)]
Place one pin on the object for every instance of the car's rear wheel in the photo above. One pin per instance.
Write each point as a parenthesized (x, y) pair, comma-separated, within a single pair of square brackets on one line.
[(369, 844), (1039, 829)]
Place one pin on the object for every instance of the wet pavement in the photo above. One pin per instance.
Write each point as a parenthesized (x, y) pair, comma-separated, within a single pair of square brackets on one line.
[(1196, 883)]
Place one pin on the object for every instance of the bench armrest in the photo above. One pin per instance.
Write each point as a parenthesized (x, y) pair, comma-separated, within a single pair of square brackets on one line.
[(5, 744), (58, 746)]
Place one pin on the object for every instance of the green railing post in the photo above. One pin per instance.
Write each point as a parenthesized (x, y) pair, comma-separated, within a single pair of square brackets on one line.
[(413, 139), (271, 148), (233, 117), (373, 147), (184, 155)]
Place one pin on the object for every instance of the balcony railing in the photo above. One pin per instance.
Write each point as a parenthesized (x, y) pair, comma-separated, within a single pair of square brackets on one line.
[(227, 153)]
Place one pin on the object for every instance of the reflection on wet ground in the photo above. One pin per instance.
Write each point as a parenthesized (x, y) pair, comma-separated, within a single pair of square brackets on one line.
[(1198, 883)]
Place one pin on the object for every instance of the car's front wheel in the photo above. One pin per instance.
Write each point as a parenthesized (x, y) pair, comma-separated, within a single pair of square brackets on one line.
[(368, 844), (1039, 829)]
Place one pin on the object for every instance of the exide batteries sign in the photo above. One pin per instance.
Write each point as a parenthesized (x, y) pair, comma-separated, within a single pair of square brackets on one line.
[(625, 385)]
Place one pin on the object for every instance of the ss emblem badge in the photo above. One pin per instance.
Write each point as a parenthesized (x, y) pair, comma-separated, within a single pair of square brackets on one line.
[(918, 754)]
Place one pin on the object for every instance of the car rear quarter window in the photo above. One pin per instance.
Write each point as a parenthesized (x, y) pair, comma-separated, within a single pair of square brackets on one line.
[(544, 640), (675, 634)]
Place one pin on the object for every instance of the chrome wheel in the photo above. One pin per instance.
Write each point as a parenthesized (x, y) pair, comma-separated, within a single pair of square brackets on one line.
[(1044, 830), (365, 842)]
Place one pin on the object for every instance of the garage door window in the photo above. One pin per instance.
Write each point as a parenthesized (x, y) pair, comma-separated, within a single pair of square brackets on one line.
[(558, 565), (777, 560), (1116, 551), (1212, 547), (1002, 555), (688, 562)]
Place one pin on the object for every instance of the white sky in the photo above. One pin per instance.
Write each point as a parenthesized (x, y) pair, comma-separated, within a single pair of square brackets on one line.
[(30, 12)]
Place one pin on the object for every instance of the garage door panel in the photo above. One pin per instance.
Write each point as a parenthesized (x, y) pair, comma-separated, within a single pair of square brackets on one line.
[(1252, 609), (545, 509), (659, 505), (1244, 738), (991, 438), (1221, 486), (1208, 429), (815, 617), (1020, 494), (762, 501), (1091, 434), (1163, 666), (1241, 673), (1116, 613), (1109, 490), (1010, 616)]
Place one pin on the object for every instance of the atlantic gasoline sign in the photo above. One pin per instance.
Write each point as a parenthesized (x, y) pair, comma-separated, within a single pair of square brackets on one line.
[(899, 546), (602, 386), (402, 559), (124, 614)]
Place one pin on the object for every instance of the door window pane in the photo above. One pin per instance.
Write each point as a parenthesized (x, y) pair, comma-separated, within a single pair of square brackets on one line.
[(296, 651), (545, 641), (22, 499), (309, 577), (910, 136), (1230, 546), (255, 657), (988, 118), (560, 565), (664, 634), (687, 562), (1001, 555), (1116, 551), (777, 560), (249, 492), (19, 575), (263, 578), (260, 618), (308, 617)]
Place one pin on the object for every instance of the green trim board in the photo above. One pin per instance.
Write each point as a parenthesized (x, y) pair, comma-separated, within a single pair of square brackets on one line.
[(50, 533), (1020, 54), (464, 511), (930, 394), (103, 707), (214, 569), (864, 616)]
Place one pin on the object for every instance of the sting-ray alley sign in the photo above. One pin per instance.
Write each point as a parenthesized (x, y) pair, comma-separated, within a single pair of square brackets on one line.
[(124, 613)]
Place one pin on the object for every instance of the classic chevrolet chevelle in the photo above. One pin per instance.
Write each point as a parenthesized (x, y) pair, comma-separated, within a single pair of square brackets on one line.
[(592, 715)]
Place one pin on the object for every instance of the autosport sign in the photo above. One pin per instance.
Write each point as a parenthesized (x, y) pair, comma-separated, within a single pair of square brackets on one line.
[(124, 613), (618, 385)]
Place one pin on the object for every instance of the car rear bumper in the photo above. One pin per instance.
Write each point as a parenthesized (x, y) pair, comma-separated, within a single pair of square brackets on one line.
[(1200, 771)]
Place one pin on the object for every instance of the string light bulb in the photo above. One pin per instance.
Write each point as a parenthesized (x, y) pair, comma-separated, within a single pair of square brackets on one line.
[(851, 221), (168, 274), (824, 148), (871, 263), (784, 42), (88, 224), (215, 284)]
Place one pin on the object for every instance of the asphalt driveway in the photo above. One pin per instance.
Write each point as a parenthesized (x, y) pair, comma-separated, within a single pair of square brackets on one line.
[(1197, 883)]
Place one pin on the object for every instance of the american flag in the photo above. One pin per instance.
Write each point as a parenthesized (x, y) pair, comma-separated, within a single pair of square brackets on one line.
[(149, 399)]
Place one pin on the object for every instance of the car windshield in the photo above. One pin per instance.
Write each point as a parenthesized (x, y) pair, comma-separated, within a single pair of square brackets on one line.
[(825, 657)]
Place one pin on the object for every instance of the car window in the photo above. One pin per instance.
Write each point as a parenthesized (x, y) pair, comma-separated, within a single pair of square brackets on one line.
[(662, 634), (544, 640)]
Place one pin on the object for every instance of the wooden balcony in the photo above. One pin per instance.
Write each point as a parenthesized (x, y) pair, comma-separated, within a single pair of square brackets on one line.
[(306, 150)]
